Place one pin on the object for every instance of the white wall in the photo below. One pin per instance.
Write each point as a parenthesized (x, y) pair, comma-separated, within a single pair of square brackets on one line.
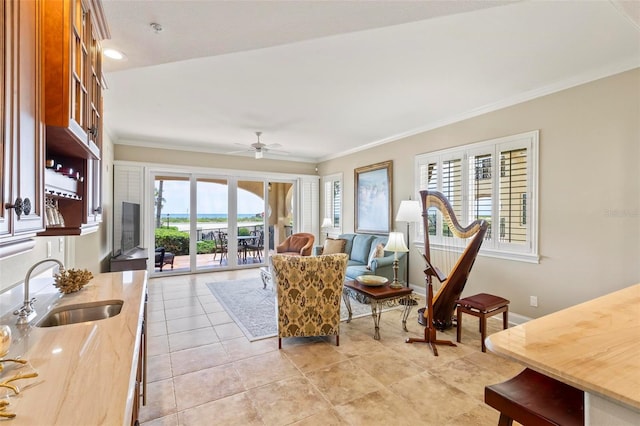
[(589, 192)]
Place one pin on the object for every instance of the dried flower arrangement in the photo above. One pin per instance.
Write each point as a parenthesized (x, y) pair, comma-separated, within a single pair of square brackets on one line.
[(71, 280)]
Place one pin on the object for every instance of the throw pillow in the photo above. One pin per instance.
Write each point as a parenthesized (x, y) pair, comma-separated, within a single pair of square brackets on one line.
[(376, 251), (334, 246)]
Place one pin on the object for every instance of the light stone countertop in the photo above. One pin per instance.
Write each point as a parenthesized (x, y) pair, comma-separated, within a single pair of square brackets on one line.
[(86, 371), (593, 346)]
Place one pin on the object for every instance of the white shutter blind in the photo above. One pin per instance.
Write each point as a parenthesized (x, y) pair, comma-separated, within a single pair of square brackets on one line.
[(309, 202), (481, 188), (128, 185), (494, 180), (514, 187), (337, 205)]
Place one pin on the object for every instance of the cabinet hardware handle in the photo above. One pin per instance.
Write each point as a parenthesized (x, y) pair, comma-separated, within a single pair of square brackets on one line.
[(20, 206)]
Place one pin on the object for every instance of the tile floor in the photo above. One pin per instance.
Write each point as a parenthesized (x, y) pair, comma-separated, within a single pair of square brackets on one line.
[(203, 371)]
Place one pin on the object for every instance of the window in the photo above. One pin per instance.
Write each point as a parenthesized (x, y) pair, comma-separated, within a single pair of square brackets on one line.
[(332, 202), (506, 200)]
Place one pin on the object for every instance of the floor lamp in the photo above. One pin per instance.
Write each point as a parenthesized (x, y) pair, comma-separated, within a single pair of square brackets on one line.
[(409, 211)]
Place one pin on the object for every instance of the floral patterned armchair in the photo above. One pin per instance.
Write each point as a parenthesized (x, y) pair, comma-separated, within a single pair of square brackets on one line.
[(309, 294)]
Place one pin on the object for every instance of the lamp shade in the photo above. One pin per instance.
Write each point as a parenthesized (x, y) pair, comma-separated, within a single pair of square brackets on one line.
[(396, 243), (409, 211), (326, 223)]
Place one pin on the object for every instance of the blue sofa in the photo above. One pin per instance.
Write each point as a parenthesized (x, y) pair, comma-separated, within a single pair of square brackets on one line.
[(358, 247)]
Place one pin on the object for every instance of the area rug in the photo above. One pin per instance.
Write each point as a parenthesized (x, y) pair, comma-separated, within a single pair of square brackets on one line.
[(254, 309)]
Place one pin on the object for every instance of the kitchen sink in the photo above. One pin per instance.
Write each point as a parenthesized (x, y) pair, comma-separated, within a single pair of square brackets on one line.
[(82, 312)]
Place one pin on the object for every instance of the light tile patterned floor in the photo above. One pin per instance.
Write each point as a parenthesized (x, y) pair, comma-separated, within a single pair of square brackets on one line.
[(203, 371)]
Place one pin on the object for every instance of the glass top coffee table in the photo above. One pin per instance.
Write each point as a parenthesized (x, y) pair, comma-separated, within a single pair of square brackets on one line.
[(379, 296)]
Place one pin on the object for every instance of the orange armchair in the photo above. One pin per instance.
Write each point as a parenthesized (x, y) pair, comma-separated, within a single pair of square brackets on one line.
[(300, 244)]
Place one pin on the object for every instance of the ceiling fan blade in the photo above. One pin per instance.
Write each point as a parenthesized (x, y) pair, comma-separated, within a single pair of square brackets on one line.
[(239, 152), (272, 145)]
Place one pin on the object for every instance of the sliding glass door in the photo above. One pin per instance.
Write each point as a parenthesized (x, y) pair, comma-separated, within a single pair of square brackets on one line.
[(250, 213), (207, 223), (211, 222), (171, 223)]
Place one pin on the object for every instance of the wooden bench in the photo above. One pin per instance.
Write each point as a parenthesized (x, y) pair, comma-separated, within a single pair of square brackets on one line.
[(483, 306), (532, 398)]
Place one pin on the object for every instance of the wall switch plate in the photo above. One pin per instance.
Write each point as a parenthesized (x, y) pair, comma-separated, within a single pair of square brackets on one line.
[(61, 244), (533, 301)]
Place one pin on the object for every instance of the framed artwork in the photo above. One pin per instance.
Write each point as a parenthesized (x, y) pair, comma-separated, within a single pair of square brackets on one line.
[(373, 186)]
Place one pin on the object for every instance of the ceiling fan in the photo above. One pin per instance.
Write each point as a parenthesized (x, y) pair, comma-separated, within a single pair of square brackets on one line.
[(260, 148)]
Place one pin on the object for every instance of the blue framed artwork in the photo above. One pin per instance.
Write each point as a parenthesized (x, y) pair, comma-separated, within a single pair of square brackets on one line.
[(373, 187)]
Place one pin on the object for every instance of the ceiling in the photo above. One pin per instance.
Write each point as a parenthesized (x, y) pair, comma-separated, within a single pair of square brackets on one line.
[(326, 78)]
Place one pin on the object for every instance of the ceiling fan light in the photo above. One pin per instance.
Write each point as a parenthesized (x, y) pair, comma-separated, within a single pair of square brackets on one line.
[(259, 155)]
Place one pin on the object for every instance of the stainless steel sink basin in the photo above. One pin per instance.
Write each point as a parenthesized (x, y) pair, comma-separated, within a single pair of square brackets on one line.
[(82, 312)]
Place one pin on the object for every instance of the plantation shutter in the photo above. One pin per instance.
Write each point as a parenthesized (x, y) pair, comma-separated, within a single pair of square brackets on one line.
[(513, 189), (309, 205), (481, 185), (336, 218), (128, 185)]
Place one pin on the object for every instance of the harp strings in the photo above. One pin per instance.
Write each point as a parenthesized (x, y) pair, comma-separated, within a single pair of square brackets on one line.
[(444, 252)]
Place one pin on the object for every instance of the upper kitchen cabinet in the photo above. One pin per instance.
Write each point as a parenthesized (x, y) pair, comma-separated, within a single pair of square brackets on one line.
[(22, 131), (73, 77), (73, 84)]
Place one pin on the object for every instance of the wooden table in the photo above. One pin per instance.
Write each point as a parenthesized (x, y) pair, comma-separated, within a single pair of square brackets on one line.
[(593, 346), (378, 296)]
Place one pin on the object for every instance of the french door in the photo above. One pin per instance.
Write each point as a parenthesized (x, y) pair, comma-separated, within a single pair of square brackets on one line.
[(211, 222)]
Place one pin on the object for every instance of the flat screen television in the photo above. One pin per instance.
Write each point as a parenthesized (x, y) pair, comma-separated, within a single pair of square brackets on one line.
[(130, 226)]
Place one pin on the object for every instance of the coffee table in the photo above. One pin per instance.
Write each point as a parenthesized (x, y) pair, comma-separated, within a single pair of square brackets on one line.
[(379, 297), (267, 278)]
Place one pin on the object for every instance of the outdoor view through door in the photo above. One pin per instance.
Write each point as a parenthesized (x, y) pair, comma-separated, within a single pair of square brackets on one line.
[(219, 222)]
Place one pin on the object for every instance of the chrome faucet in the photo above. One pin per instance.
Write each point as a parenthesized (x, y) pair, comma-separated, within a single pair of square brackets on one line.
[(27, 312)]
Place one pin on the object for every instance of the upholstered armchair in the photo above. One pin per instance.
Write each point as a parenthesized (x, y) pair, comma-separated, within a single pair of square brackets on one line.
[(300, 244), (309, 293)]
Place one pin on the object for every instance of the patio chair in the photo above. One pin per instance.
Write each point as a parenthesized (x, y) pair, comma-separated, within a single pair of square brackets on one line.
[(163, 257), (256, 245), (221, 246)]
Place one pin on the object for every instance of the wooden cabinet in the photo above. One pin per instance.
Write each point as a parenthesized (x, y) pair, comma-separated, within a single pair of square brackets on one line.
[(22, 131), (73, 80), (73, 114), (140, 387)]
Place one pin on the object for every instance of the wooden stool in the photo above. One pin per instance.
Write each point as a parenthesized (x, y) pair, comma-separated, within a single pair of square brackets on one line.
[(483, 306), (532, 398)]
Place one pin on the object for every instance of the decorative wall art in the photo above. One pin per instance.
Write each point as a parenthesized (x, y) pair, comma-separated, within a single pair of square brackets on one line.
[(373, 186)]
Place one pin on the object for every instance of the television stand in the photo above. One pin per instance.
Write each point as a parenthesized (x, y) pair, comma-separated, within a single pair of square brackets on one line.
[(133, 260)]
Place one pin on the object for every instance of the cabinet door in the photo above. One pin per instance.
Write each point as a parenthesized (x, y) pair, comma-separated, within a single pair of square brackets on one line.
[(22, 138), (29, 137), (5, 118), (73, 84)]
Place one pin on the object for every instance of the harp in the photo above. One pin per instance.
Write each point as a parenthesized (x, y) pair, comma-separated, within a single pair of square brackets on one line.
[(440, 307)]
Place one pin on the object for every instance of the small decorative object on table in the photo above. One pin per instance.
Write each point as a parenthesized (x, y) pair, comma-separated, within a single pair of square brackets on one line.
[(71, 280), (372, 280)]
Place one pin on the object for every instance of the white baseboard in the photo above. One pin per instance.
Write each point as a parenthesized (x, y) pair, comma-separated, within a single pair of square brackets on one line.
[(514, 317)]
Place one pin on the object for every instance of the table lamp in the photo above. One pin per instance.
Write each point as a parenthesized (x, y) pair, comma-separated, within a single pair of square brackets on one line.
[(396, 244), (326, 224)]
